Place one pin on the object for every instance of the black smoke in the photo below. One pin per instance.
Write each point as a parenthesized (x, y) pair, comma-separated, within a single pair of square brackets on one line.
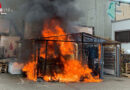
[(33, 13), (28, 20)]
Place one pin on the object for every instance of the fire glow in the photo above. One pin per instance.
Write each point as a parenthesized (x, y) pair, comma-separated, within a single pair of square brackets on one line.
[(73, 70)]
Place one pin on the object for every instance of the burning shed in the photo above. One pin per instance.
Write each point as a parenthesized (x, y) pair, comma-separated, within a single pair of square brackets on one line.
[(58, 56), (64, 58)]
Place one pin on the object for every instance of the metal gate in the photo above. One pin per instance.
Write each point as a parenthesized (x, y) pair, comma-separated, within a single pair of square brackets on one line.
[(111, 60)]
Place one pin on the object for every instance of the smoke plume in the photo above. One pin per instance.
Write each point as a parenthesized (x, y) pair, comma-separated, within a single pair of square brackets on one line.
[(27, 21), (32, 13)]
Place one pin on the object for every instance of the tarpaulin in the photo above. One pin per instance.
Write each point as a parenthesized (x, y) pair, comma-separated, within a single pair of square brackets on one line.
[(111, 10)]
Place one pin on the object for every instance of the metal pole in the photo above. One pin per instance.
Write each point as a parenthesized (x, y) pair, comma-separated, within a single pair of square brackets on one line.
[(35, 57), (45, 58), (38, 58), (118, 62), (102, 62), (82, 38)]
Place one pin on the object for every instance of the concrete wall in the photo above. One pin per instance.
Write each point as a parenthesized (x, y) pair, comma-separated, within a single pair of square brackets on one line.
[(121, 26), (95, 14)]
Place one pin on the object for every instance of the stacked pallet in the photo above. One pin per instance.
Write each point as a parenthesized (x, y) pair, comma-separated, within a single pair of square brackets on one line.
[(127, 70), (3, 67)]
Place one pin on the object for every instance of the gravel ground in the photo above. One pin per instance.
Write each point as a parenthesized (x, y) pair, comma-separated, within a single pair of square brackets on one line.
[(13, 82)]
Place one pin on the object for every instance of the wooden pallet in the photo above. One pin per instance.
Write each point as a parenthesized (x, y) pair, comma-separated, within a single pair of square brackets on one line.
[(128, 68), (126, 75), (3, 67)]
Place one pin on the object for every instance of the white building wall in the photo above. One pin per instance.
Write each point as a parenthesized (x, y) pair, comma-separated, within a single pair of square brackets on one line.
[(121, 26)]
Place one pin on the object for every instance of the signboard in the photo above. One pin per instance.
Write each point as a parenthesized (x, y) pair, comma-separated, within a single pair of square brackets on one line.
[(10, 45), (123, 11), (85, 29)]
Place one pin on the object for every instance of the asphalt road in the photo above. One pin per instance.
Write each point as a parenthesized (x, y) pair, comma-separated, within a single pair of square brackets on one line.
[(14, 82)]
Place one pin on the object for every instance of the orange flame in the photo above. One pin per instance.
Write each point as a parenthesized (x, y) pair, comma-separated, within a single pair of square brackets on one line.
[(30, 69), (73, 70)]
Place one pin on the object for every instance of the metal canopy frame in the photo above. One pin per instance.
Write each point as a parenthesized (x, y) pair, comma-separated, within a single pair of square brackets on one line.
[(75, 37), (82, 38)]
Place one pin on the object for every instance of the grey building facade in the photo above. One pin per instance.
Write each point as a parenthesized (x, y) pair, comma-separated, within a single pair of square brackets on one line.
[(95, 14)]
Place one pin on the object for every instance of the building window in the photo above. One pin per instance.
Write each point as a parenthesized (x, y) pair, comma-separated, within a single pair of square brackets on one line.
[(122, 36)]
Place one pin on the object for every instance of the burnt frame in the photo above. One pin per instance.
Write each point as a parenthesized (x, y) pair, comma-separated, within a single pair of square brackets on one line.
[(80, 38)]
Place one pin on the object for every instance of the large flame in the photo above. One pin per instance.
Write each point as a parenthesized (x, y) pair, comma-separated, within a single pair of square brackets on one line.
[(73, 70), (31, 71)]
